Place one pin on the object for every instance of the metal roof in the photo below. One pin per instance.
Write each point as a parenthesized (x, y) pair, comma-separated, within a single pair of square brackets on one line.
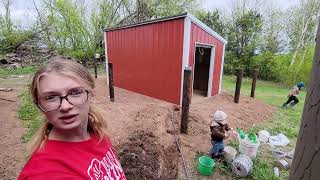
[(183, 15)]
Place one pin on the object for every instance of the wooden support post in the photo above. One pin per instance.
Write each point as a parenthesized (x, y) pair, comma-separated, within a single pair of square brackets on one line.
[(111, 88), (238, 85), (306, 160), (254, 82), (95, 68), (186, 100)]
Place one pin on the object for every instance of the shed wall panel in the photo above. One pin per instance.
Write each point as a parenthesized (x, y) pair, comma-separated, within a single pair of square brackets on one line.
[(147, 59)]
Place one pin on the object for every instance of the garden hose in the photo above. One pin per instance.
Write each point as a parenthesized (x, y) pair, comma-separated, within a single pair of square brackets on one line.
[(241, 166)]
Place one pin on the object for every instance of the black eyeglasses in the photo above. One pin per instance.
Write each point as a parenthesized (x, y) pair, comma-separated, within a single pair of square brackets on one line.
[(50, 103)]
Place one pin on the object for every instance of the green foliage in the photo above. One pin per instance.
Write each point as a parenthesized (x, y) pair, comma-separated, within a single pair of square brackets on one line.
[(299, 71), (30, 114), (268, 65), (243, 38), (214, 20), (276, 67), (9, 41), (163, 8), (152, 9), (68, 30), (18, 71), (272, 37), (11, 36)]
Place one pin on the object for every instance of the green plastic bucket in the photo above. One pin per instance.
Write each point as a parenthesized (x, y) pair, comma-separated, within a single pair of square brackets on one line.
[(206, 165)]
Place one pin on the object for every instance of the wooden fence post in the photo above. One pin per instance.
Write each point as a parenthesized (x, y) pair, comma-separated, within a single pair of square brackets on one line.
[(254, 82), (238, 85), (95, 67), (186, 100), (96, 57), (111, 88)]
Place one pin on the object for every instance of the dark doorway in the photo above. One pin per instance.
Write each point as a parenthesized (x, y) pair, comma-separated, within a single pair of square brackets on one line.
[(201, 70)]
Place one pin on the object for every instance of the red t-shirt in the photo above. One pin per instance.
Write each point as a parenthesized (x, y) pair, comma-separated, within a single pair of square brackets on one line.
[(74, 160)]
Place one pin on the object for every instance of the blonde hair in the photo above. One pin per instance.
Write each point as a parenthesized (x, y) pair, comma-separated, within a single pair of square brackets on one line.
[(96, 123)]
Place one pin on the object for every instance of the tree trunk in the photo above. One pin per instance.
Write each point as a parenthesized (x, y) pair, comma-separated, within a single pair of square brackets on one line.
[(301, 40), (306, 161)]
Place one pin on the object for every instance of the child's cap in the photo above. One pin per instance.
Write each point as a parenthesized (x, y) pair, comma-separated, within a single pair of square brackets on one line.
[(300, 84), (220, 117)]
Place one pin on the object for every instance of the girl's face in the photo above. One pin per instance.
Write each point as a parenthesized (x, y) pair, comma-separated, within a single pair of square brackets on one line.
[(64, 100)]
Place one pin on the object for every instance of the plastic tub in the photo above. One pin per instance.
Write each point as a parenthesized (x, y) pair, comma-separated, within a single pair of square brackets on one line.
[(206, 165), (230, 153), (264, 136), (247, 148)]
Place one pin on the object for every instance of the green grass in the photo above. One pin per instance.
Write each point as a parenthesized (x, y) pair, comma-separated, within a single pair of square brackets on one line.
[(17, 71), (30, 115), (284, 120), (263, 170)]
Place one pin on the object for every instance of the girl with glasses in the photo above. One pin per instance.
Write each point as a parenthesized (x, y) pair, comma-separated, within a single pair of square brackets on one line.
[(72, 142)]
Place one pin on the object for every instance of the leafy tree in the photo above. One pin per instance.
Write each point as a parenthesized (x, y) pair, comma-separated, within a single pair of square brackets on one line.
[(243, 39), (141, 10), (10, 36), (68, 28), (272, 39), (302, 27), (214, 20)]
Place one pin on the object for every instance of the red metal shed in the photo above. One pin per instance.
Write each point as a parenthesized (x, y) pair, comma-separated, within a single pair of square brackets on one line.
[(149, 58)]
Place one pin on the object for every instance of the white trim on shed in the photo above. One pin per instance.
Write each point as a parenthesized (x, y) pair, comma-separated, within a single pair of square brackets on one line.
[(221, 72), (206, 28)]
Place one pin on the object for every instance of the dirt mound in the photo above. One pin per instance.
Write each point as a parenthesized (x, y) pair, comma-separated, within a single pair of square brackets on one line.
[(150, 152), (140, 156)]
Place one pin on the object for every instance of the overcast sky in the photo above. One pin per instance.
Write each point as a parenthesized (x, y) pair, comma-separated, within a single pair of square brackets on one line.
[(226, 4), (23, 12)]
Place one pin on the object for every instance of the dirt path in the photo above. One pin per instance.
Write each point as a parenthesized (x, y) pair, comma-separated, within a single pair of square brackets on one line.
[(11, 130)]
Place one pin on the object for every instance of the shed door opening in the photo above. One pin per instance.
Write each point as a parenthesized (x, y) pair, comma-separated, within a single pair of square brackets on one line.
[(201, 70)]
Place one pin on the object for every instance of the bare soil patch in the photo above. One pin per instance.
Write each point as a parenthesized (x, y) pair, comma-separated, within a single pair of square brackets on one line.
[(12, 154)]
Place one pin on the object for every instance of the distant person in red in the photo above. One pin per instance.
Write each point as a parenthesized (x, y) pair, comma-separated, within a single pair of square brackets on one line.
[(73, 141)]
